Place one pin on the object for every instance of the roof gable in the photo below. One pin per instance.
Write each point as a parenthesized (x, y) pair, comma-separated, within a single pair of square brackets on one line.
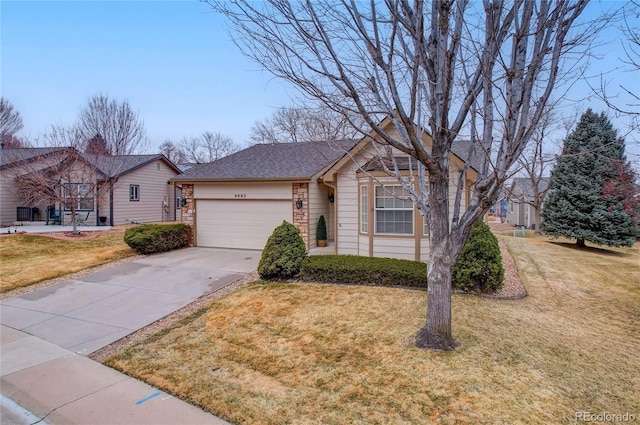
[(119, 165), (280, 161), (522, 186)]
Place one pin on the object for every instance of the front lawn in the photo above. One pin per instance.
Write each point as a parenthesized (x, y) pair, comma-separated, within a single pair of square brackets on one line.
[(27, 259), (303, 353)]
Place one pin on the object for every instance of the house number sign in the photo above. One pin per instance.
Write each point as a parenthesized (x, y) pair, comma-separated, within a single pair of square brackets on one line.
[(240, 195)]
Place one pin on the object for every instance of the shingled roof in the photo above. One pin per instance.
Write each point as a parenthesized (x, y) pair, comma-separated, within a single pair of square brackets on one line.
[(279, 161), (119, 165), (526, 186), (12, 156)]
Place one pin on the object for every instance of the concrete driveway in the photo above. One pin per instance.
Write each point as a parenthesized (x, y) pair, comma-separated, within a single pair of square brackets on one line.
[(88, 313)]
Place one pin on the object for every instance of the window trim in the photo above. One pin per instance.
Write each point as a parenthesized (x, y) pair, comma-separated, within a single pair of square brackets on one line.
[(364, 209), (134, 197), (66, 187), (376, 209)]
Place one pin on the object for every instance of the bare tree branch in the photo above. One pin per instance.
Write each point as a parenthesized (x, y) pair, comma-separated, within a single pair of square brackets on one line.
[(116, 122), (426, 67)]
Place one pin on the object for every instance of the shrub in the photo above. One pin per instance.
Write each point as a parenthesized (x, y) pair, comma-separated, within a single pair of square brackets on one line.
[(321, 230), (152, 238), (479, 266), (364, 270), (283, 254)]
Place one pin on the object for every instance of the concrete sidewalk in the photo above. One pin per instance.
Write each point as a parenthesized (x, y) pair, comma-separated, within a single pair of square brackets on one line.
[(46, 333), (56, 386)]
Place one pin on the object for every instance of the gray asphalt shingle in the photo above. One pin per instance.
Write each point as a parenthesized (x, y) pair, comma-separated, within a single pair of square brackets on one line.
[(271, 162)]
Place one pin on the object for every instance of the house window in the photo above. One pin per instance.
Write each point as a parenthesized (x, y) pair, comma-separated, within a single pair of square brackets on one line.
[(364, 209), (393, 211), (134, 192), (80, 195), (425, 225)]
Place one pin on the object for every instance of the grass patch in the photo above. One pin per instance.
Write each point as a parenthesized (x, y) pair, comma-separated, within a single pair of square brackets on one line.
[(303, 353), (28, 259)]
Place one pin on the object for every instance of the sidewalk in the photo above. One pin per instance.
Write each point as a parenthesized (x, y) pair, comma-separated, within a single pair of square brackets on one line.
[(57, 386), (45, 334)]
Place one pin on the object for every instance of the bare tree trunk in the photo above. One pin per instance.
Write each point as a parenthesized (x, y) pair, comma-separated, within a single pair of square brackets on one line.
[(538, 219), (580, 243), (437, 334)]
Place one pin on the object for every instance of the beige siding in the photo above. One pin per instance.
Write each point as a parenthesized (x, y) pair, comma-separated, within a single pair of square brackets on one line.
[(403, 248), (347, 198), (319, 205), (424, 249), (243, 190), (350, 241), (363, 245), (157, 199), (8, 202)]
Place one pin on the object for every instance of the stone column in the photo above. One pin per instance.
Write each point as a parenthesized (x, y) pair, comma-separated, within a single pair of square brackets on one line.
[(187, 210), (301, 216)]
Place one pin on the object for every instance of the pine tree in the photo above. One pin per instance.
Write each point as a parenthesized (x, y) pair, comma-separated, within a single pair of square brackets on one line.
[(587, 199)]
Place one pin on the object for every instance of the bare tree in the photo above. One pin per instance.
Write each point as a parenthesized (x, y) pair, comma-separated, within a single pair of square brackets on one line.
[(304, 124), (207, 147), (10, 124), (172, 152), (436, 67), (115, 122), (61, 175)]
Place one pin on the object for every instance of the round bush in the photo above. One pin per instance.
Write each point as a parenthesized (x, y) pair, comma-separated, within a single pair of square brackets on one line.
[(152, 238), (283, 254), (479, 266)]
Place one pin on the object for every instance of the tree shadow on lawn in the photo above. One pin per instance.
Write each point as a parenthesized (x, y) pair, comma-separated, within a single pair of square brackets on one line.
[(591, 249)]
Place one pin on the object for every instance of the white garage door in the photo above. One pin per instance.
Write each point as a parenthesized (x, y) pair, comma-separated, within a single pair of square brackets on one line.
[(241, 224)]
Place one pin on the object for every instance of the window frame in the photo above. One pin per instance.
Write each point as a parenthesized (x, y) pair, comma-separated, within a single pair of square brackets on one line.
[(364, 209), (83, 203), (388, 193), (134, 197)]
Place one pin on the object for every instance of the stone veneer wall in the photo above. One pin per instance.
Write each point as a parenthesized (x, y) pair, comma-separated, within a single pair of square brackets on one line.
[(187, 210), (301, 216)]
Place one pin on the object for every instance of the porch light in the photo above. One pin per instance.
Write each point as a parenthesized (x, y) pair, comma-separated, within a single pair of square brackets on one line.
[(331, 197), (299, 203)]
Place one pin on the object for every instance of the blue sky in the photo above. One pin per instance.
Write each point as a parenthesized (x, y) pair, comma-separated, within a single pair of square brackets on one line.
[(175, 64), (172, 60)]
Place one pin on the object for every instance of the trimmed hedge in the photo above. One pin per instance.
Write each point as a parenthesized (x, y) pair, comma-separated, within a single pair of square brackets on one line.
[(364, 270), (283, 254), (479, 266), (152, 238)]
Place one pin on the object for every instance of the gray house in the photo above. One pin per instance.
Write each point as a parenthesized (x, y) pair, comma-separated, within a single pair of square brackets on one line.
[(521, 201), (117, 189)]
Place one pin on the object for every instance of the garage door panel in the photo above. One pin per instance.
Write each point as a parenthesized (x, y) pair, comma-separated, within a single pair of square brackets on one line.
[(241, 224)]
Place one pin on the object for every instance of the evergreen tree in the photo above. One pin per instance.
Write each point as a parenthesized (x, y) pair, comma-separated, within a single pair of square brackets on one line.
[(587, 199)]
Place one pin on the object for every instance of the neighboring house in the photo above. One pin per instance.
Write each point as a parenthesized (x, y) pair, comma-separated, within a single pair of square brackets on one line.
[(142, 191), (237, 201), (12, 162), (521, 200), (127, 188)]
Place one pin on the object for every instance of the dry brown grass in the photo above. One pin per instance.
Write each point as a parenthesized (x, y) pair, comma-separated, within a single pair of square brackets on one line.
[(28, 259), (301, 353)]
